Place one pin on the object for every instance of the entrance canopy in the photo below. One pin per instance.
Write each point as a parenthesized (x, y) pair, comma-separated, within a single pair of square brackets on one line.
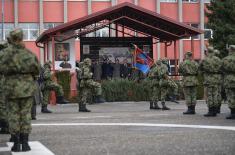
[(125, 16)]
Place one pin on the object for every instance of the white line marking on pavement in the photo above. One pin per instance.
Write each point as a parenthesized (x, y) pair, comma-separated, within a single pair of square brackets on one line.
[(36, 149), (231, 128), (4, 149), (95, 117)]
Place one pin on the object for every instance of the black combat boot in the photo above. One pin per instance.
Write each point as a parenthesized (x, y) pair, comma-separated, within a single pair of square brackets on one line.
[(232, 115), (11, 138), (99, 99), (33, 112), (82, 108), (16, 145), (151, 105), (156, 106), (24, 139), (218, 109), (45, 110), (190, 111), (61, 100), (211, 112), (4, 127), (173, 99), (164, 107)]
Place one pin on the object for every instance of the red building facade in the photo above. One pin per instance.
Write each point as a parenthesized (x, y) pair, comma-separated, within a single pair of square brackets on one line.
[(36, 16)]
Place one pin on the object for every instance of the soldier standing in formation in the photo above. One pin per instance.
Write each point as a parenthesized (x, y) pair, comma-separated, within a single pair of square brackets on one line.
[(47, 86), (87, 85), (164, 82), (19, 66), (228, 68), (3, 105), (189, 70), (154, 85), (211, 70)]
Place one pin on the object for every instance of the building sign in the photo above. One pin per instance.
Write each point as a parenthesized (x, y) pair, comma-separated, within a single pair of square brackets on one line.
[(86, 49), (62, 52)]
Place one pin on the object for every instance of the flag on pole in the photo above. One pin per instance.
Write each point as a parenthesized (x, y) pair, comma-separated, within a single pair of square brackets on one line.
[(142, 61)]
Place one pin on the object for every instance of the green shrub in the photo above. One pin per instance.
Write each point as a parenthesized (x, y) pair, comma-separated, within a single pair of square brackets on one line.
[(125, 90), (64, 79), (129, 90)]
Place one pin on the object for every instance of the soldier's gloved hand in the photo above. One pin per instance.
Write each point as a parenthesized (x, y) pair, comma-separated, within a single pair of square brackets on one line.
[(91, 74)]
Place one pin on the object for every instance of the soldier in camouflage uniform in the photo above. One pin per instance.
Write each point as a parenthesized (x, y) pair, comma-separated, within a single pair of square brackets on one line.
[(87, 84), (228, 68), (164, 82), (154, 85), (189, 70), (47, 86), (211, 69), (3, 106), (19, 66)]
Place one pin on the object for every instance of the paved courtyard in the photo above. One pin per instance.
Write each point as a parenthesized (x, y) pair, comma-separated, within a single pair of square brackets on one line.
[(130, 128)]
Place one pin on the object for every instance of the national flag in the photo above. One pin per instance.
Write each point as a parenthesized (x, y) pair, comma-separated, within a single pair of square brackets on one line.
[(142, 61)]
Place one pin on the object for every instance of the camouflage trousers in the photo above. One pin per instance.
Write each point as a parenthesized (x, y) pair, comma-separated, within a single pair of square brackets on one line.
[(47, 90), (19, 115), (213, 94), (163, 93), (88, 87), (231, 97), (190, 94), (3, 108), (155, 93)]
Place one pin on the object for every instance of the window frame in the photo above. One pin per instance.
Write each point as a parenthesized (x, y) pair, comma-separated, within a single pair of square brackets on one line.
[(190, 1), (27, 27), (168, 1), (9, 28), (190, 24)]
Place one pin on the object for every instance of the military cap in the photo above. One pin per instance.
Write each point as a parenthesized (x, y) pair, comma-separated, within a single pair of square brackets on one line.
[(16, 35), (188, 54), (158, 62), (164, 60), (48, 63), (217, 52), (87, 61), (232, 48), (210, 49)]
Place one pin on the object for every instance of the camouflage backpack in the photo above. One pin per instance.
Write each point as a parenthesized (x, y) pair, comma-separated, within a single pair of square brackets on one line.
[(211, 65)]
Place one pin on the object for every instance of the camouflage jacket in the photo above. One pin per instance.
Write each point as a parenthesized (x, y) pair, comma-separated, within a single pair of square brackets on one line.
[(210, 67), (47, 76), (19, 66), (228, 68), (163, 75), (189, 69), (86, 72), (153, 76)]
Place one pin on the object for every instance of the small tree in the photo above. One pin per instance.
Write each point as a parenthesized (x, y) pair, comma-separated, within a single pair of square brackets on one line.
[(221, 19)]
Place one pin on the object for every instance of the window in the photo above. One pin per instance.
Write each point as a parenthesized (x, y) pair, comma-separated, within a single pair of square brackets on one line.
[(190, 1), (50, 25), (168, 0), (172, 66), (195, 26), (208, 32), (207, 1), (30, 30), (104, 32), (7, 28)]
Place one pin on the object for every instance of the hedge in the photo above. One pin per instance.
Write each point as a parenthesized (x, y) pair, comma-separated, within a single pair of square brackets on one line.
[(128, 90)]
